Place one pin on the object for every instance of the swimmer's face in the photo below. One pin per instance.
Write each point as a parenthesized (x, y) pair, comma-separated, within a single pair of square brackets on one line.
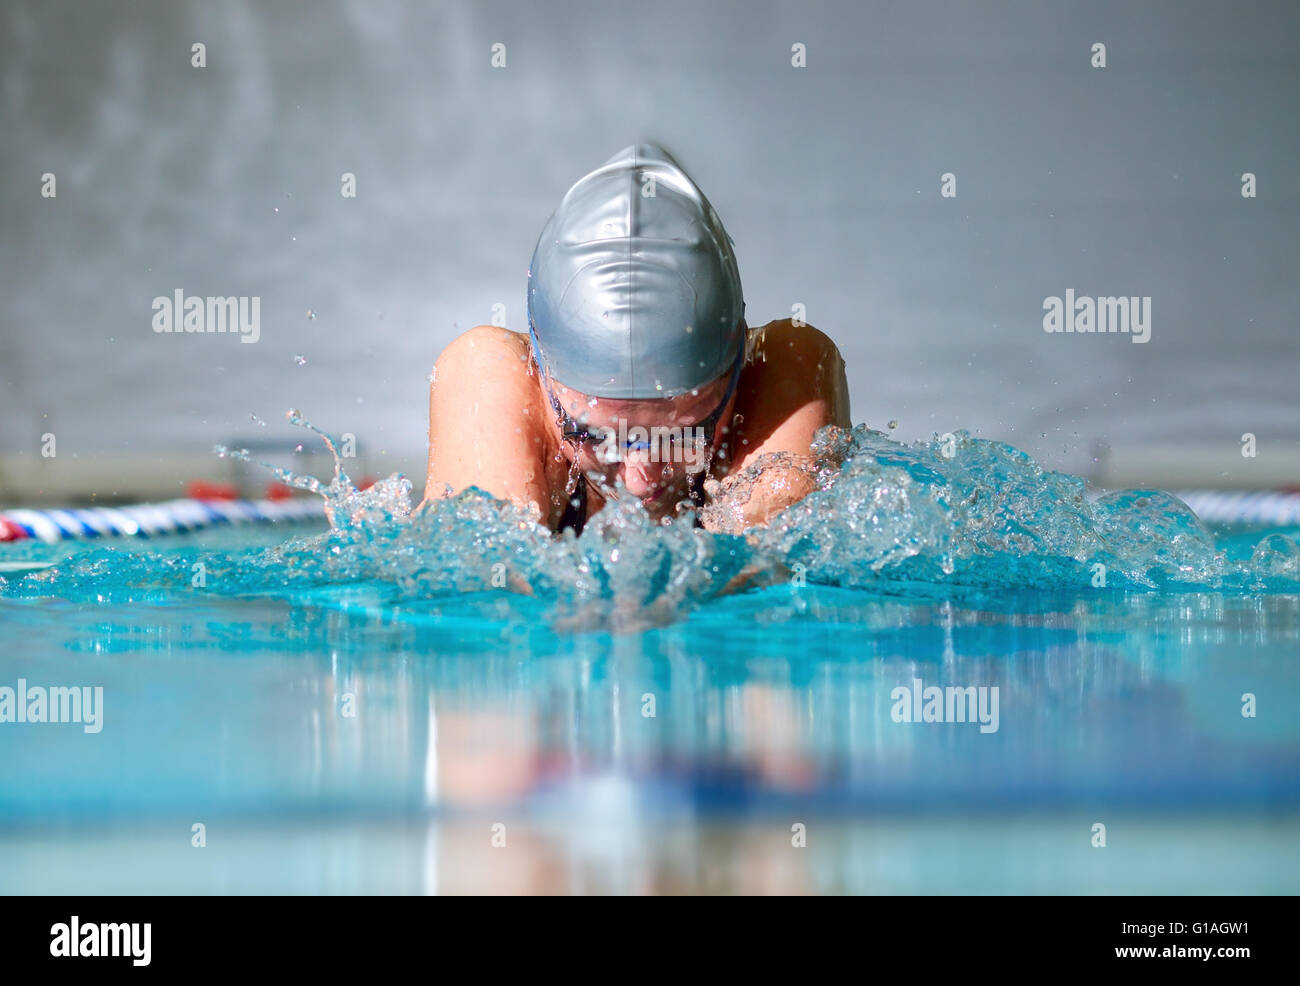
[(653, 446)]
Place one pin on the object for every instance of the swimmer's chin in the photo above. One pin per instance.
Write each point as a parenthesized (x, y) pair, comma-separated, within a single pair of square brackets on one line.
[(659, 500)]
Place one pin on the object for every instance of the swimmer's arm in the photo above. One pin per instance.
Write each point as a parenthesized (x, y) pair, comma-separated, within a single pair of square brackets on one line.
[(480, 432), (799, 385), (756, 494)]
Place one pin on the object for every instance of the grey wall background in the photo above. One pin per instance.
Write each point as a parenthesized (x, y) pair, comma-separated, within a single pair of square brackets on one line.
[(1123, 180)]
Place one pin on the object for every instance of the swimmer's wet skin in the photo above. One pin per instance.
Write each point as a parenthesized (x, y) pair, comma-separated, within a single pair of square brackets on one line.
[(638, 370)]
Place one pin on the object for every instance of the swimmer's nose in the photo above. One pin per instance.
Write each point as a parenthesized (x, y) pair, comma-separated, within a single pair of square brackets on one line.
[(642, 477)]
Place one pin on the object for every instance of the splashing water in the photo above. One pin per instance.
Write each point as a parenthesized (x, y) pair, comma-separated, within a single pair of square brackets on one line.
[(953, 514), (981, 513)]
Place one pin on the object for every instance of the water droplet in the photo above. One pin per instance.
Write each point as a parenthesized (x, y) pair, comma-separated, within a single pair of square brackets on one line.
[(311, 315), (256, 420), (300, 360), (893, 425)]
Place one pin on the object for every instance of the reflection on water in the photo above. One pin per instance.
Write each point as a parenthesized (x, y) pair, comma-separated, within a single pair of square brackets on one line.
[(610, 851), (779, 696), (390, 740)]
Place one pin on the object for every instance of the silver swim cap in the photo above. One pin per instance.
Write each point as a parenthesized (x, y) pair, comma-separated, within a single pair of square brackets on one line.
[(633, 290)]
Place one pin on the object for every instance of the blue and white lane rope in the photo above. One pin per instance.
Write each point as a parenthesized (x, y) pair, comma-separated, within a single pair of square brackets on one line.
[(151, 519), (1263, 508)]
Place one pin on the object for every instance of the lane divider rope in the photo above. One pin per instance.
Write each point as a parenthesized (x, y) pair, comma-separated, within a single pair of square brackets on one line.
[(151, 519), (1262, 507)]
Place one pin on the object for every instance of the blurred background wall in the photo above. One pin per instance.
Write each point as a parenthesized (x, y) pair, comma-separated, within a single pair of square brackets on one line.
[(225, 180)]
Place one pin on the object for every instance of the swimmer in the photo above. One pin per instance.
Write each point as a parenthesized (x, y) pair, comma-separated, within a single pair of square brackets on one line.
[(638, 375)]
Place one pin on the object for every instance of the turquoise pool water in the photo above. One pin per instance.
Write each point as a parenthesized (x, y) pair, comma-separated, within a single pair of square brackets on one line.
[(362, 710)]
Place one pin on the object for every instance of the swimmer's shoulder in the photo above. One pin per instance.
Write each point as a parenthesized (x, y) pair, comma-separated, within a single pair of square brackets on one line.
[(486, 419), (487, 348), (791, 342), (489, 364), (789, 363), (793, 384)]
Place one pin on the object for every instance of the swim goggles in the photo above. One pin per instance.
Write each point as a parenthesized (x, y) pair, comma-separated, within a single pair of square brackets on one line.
[(577, 432)]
